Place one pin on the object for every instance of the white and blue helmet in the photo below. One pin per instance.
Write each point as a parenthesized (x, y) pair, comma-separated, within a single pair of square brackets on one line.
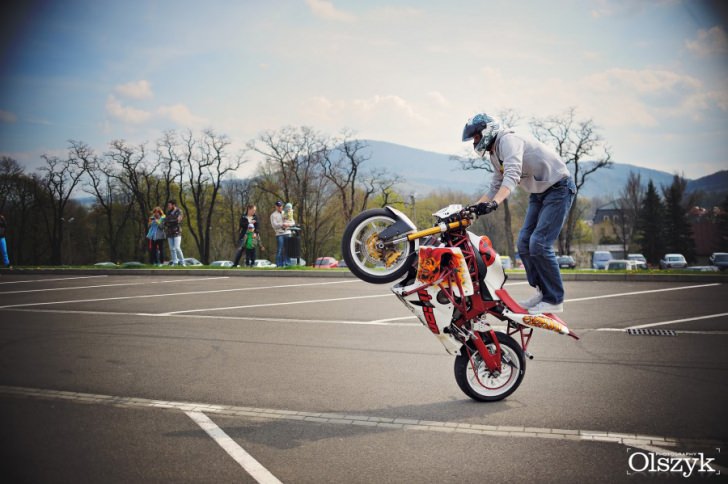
[(487, 125)]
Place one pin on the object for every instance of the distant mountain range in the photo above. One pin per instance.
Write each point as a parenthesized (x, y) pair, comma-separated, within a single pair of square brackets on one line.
[(425, 171)]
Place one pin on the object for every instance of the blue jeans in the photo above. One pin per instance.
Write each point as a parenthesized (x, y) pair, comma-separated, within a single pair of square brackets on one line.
[(4, 251), (175, 250), (545, 216), (280, 253)]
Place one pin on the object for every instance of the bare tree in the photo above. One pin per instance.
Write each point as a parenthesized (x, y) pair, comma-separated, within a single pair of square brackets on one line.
[(135, 176), (10, 170), (58, 182), (342, 165), (630, 204), (382, 183), (292, 171), (115, 204), (168, 163), (581, 147), (204, 164)]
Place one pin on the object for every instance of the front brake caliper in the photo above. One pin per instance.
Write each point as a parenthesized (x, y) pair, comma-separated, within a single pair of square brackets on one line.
[(378, 251), (392, 257), (373, 247)]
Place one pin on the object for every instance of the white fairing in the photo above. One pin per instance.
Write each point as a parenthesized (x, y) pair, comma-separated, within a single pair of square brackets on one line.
[(447, 211), (433, 314)]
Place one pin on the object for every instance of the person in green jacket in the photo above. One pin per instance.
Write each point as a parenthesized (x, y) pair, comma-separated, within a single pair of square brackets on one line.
[(250, 242)]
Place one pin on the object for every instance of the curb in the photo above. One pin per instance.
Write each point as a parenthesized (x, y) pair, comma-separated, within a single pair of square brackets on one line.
[(516, 276)]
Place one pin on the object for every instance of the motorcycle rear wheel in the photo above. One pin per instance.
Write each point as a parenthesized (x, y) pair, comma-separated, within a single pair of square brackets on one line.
[(367, 262), (487, 387)]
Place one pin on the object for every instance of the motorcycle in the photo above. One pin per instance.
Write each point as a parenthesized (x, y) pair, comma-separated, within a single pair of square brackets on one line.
[(452, 280)]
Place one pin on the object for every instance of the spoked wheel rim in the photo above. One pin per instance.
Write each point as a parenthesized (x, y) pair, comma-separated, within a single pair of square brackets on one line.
[(489, 385), (370, 255)]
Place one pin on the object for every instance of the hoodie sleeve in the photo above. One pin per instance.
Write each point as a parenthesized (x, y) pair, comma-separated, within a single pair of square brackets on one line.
[(511, 155)]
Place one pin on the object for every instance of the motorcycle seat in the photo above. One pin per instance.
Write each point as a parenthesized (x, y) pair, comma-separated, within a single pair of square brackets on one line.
[(510, 303)]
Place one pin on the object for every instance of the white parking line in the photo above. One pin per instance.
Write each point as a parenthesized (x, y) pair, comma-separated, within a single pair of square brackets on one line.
[(382, 322), (49, 280), (194, 279), (246, 461), (605, 296), (675, 321), (286, 303), (144, 296), (378, 423)]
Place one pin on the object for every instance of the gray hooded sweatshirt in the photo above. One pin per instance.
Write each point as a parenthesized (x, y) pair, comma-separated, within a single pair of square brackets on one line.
[(523, 160)]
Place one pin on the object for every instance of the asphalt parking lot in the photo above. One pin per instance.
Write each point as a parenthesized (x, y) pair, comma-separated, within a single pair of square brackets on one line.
[(243, 379)]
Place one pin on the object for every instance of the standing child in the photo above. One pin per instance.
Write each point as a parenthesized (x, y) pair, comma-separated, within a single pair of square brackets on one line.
[(288, 214), (250, 242)]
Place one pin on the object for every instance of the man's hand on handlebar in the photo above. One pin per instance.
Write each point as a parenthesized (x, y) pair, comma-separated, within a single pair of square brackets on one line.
[(485, 207)]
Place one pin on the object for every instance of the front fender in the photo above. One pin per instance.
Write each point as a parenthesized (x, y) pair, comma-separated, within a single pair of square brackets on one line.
[(402, 226)]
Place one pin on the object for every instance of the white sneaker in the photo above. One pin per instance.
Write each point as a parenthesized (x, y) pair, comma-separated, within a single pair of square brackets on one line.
[(532, 301), (543, 307)]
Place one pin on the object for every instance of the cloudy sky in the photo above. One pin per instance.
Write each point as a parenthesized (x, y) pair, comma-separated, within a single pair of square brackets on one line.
[(653, 75)]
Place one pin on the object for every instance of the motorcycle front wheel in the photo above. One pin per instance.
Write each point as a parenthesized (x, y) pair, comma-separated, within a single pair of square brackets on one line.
[(477, 382), (369, 258)]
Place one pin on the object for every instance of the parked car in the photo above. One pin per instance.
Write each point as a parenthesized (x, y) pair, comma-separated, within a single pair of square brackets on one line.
[(342, 263), (506, 262), (620, 265), (191, 261), (263, 263), (566, 262), (673, 261), (221, 263), (720, 260), (297, 262), (326, 263), (105, 264), (702, 268), (639, 259), (600, 259)]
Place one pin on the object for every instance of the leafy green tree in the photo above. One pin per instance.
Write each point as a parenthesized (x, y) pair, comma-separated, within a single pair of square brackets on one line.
[(650, 225), (678, 232)]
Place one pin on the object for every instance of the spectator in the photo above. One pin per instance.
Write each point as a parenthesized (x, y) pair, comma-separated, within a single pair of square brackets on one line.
[(250, 242), (156, 236), (173, 229), (281, 229), (249, 217), (3, 244)]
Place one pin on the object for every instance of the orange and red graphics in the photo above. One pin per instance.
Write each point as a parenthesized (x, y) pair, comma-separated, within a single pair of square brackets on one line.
[(544, 322), (435, 261)]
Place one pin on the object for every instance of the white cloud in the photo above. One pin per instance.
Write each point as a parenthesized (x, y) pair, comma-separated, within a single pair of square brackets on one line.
[(709, 42), (181, 114), (438, 99), (609, 8), (125, 113), (135, 90), (642, 81), (388, 109), (6, 117), (326, 10)]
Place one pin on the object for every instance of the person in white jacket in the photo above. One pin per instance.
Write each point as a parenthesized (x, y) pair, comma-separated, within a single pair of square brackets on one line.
[(281, 228), (521, 160)]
